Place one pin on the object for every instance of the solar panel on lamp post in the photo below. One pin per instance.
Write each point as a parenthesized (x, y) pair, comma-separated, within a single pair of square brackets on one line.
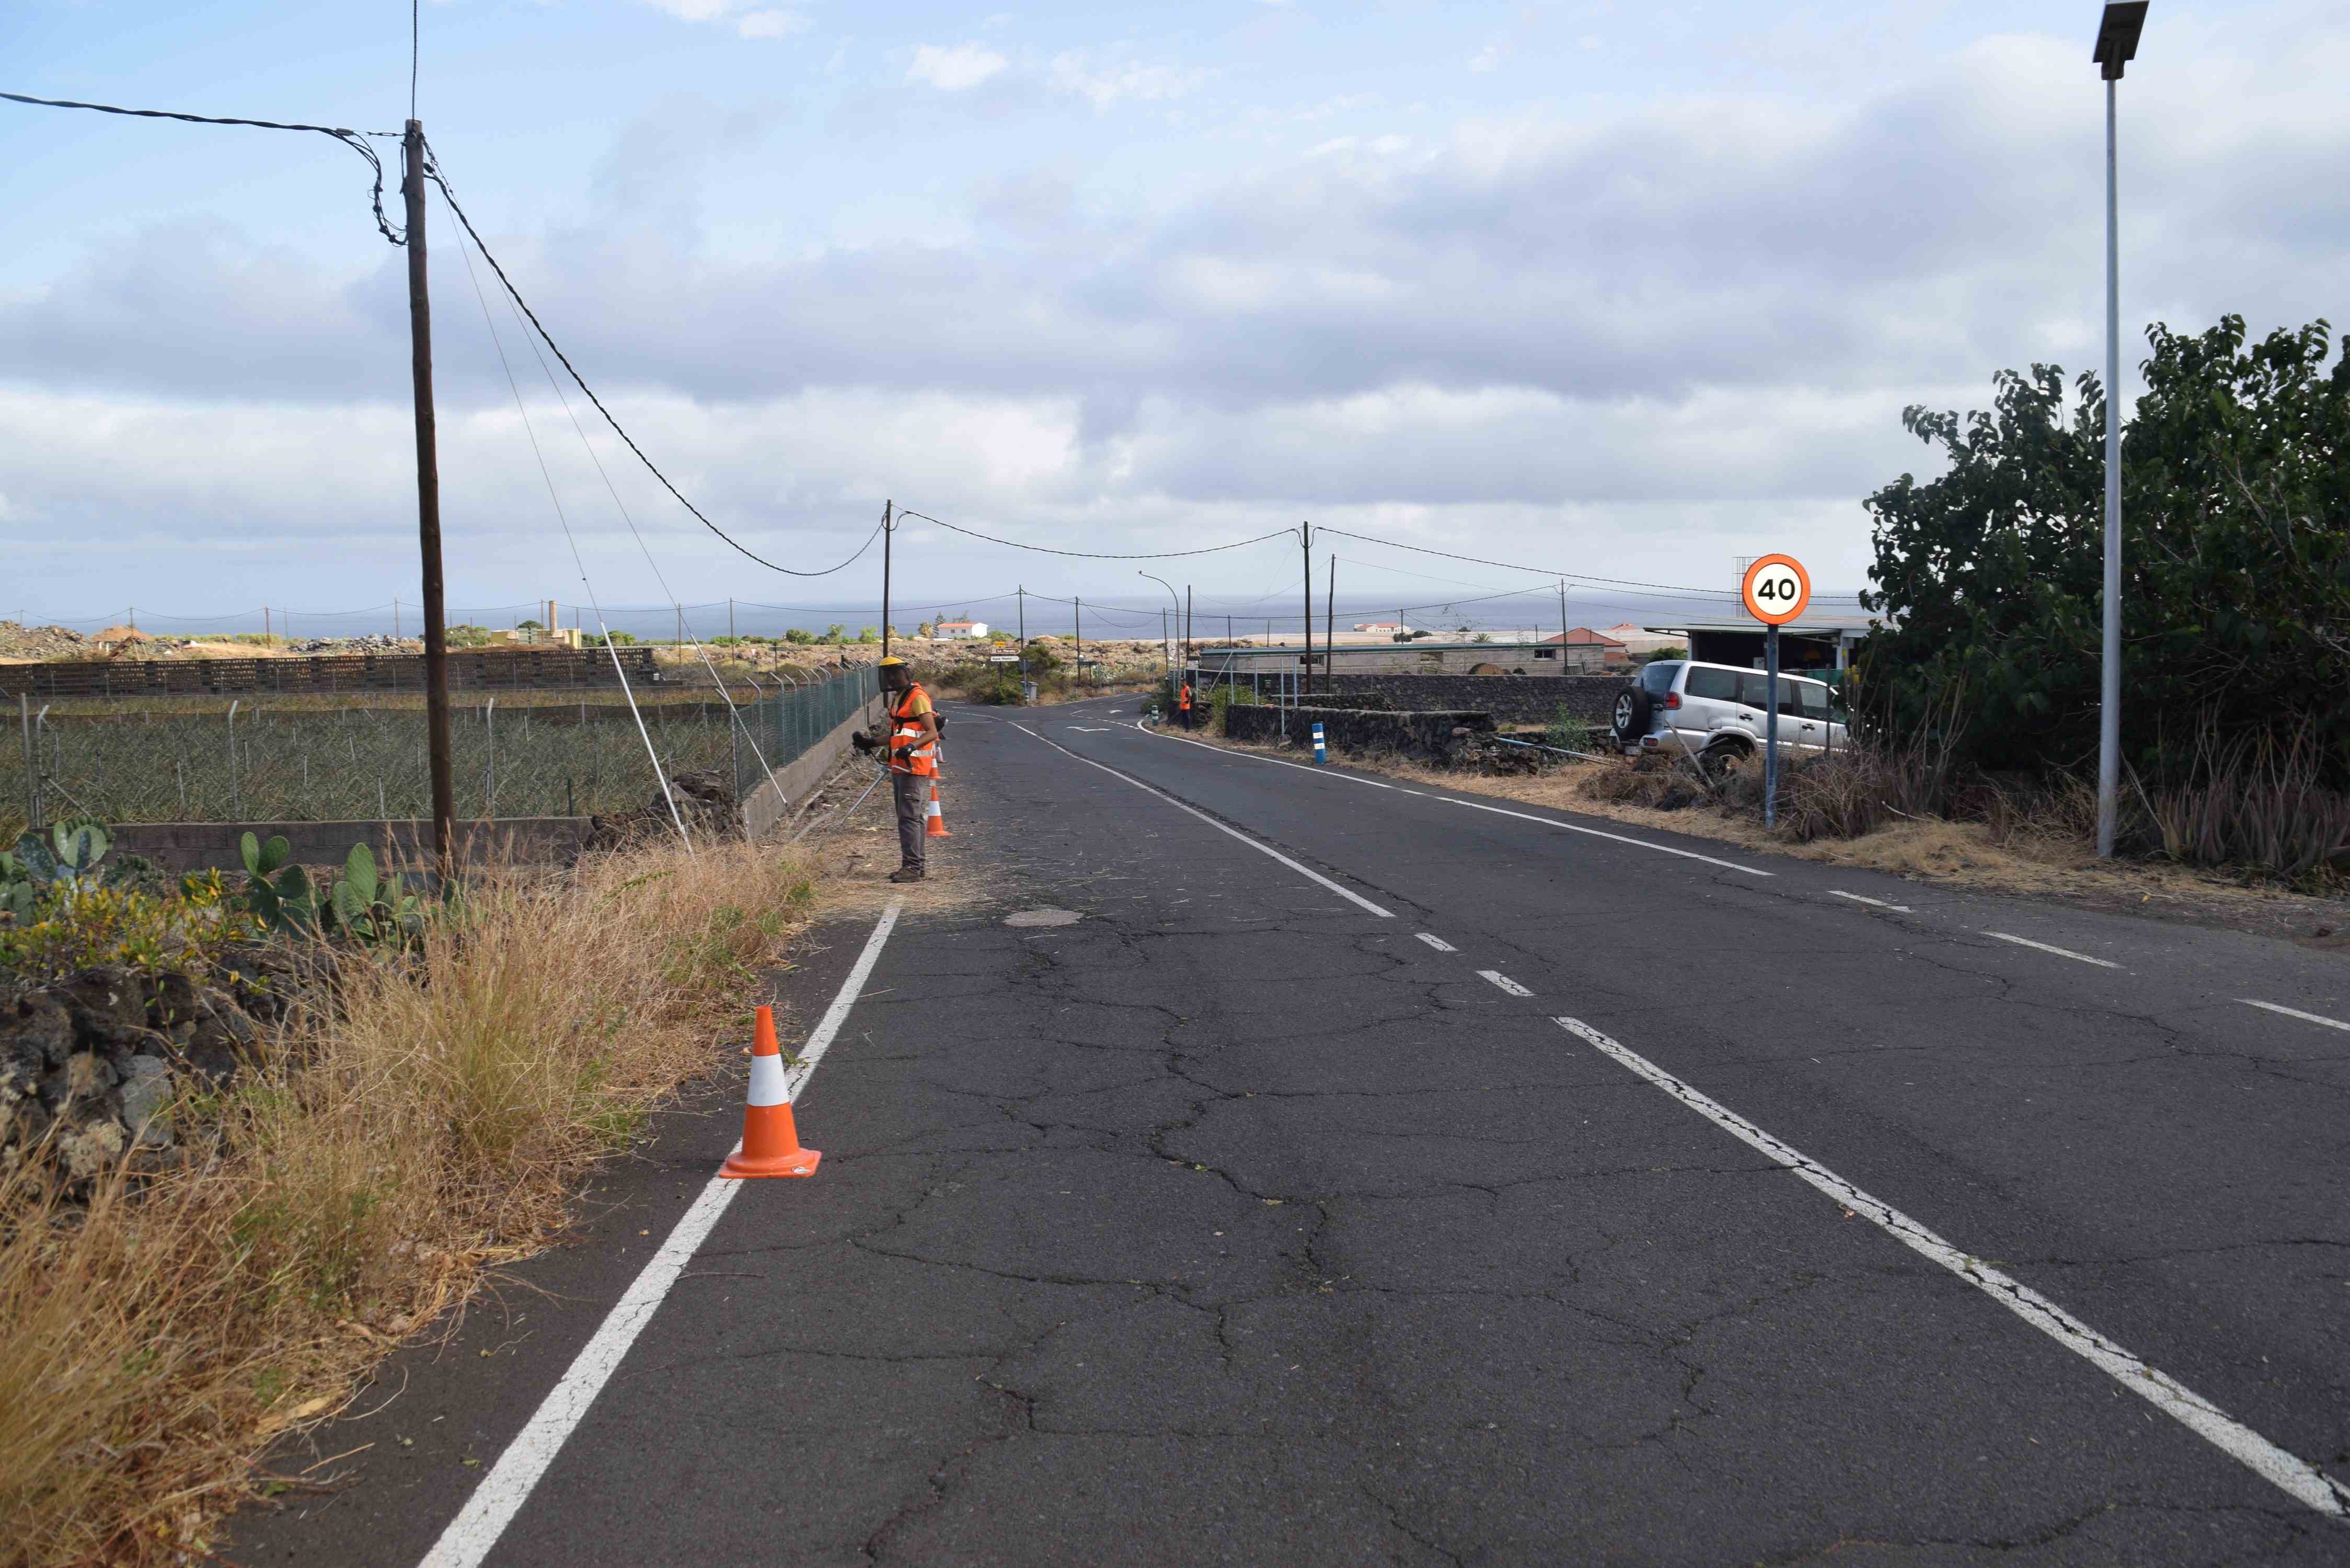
[(2118, 34)]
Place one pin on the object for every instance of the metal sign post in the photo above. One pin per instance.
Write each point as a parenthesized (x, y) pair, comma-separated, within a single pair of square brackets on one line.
[(1776, 591)]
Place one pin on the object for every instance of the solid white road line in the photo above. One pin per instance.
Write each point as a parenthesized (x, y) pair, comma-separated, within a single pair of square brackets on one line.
[(1873, 903), (2302, 1481), (503, 1492), (1346, 893), (1438, 944), (2059, 952), (2295, 1012), (1473, 805), (1505, 981)]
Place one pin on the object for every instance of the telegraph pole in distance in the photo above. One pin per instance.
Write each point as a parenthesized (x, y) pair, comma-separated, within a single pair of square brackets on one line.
[(889, 532), (1080, 604), (1330, 620), (428, 510), (1305, 545)]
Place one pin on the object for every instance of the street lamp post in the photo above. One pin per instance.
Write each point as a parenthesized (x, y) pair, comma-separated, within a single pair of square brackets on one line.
[(2118, 34), (1175, 599)]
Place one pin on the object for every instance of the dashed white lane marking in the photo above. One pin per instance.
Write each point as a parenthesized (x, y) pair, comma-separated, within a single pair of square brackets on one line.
[(1089, 728), (1310, 874), (2302, 1481), (1872, 903), (1505, 981), (1473, 805), (2059, 952), (495, 1504), (1438, 944), (2295, 1012)]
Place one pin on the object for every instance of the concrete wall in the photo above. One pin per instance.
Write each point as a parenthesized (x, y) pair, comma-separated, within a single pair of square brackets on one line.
[(1509, 699), (764, 806), (181, 847), (1428, 736), (1411, 659)]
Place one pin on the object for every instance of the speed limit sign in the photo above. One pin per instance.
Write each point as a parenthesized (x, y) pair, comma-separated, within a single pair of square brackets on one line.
[(1776, 589)]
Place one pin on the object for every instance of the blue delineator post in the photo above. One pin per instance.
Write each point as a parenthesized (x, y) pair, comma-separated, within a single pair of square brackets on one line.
[(1321, 750)]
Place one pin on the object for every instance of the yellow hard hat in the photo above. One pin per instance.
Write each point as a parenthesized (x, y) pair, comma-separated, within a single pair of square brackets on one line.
[(893, 659)]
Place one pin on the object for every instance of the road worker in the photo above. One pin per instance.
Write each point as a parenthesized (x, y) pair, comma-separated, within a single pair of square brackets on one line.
[(1183, 703), (911, 734)]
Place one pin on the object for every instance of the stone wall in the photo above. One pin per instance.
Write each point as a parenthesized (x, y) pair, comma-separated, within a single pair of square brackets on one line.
[(470, 669), (1509, 699), (1430, 737), (181, 846)]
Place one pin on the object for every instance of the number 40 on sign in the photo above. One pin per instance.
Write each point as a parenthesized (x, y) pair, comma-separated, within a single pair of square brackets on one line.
[(1777, 589)]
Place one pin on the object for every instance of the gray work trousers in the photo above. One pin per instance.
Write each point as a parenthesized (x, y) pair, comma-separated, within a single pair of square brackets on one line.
[(913, 795)]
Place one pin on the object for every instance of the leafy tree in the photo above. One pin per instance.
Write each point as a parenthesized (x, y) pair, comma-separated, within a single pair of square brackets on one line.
[(2235, 559), (527, 625), (925, 629), (836, 633), (867, 634), (799, 638)]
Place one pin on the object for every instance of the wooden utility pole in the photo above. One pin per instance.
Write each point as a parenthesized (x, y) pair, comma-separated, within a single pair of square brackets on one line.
[(1562, 626), (730, 620), (888, 534), (1306, 543), (1330, 620), (1080, 604), (428, 510), (1189, 652)]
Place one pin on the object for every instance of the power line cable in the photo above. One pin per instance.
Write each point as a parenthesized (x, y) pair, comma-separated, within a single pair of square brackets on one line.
[(354, 140), (1544, 571), (432, 172), (1098, 554), (660, 774)]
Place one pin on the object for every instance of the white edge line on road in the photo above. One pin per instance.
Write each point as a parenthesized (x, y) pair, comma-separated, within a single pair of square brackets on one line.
[(2295, 1012), (2059, 952), (1505, 981), (1438, 944), (1872, 903), (471, 1535), (1346, 893), (1472, 805), (2302, 1481)]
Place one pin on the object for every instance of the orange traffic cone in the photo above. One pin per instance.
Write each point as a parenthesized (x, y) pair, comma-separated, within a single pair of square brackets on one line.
[(770, 1143), (937, 826)]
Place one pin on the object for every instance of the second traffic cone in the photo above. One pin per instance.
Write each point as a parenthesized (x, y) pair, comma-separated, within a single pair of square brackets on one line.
[(937, 826), (770, 1143)]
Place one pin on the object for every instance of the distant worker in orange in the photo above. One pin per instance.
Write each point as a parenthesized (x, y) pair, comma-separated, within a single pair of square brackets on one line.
[(1183, 703), (912, 737)]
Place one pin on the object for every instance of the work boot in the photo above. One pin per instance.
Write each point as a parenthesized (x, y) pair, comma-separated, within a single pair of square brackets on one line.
[(907, 874)]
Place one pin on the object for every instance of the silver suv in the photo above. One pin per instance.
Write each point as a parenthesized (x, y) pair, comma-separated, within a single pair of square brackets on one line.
[(1718, 710)]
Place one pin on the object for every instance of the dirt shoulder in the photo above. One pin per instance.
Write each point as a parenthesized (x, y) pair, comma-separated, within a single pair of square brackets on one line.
[(1947, 853)]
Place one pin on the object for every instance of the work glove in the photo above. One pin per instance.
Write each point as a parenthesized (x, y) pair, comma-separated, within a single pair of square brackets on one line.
[(863, 742)]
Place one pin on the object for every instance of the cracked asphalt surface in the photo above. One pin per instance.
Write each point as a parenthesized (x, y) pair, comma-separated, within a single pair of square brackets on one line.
[(1232, 1223)]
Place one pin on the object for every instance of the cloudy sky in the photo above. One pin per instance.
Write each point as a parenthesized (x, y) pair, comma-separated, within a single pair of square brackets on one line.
[(1630, 290)]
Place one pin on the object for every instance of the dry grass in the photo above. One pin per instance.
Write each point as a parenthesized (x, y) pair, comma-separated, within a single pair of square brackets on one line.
[(153, 1342)]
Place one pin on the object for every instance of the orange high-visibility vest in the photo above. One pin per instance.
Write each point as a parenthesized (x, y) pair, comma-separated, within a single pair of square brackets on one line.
[(1187, 695), (909, 751)]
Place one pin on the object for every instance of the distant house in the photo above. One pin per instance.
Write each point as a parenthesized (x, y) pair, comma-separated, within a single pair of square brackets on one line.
[(1387, 626), (1582, 644), (964, 629)]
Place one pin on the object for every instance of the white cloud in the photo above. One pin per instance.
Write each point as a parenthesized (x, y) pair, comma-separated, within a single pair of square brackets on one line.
[(771, 24), (1488, 58), (762, 21), (1105, 82), (956, 68)]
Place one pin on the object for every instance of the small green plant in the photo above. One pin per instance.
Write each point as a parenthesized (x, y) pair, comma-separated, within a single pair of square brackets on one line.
[(279, 895), (1568, 732), (373, 910), (67, 861)]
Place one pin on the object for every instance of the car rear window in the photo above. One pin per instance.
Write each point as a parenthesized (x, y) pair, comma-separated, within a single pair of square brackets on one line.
[(1657, 679), (1816, 699), (1722, 685)]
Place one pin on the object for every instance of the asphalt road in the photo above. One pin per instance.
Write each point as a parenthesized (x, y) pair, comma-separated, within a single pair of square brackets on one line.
[(1269, 1213)]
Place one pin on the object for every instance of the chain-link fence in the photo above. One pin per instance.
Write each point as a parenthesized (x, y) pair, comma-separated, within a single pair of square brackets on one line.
[(257, 763), (786, 724)]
